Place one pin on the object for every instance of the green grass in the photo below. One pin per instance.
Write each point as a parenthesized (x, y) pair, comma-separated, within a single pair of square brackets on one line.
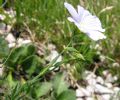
[(47, 21)]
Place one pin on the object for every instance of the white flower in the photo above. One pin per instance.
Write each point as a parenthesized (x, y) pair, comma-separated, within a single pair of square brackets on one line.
[(86, 22)]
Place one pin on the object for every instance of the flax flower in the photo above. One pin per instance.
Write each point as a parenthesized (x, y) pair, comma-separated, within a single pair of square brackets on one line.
[(86, 22)]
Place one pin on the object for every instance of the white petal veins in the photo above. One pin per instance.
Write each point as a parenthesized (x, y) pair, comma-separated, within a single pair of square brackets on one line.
[(72, 11), (92, 23), (80, 11)]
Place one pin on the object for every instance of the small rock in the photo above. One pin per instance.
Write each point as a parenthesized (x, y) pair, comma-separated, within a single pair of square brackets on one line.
[(53, 55), (51, 47), (116, 89), (8, 28), (40, 52), (21, 42), (109, 78), (106, 97), (91, 75), (109, 85), (10, 38), (90, 78), (26, 41), (79, 99), (105, 73), (116, 65), (102, 89), (81, 92), (100, 80), (89, 98), (98, 97), (88, 75), (91, 81), (90, 89), (11, 45), (4, 29)]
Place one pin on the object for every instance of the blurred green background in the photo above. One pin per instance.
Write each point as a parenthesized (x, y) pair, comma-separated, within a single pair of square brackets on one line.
[(47, 21)]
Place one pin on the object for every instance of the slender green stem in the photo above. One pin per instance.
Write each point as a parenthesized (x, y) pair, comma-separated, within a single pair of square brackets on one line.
[(9, 55), (4, 3), (46, 69)]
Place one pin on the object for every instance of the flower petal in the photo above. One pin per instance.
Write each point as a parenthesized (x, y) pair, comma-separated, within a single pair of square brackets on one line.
[(72, 11), (92, 23), (86, 22), (82, 12), (96, 35)]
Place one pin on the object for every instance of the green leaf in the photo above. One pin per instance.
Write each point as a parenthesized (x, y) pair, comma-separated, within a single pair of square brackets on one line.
[(10, 80), (78, 56), (74, 53), (1, 2), (59, 84), (43, 89), (4, 49), (19, 54), (71, 49), (67, 95), (31, 64)]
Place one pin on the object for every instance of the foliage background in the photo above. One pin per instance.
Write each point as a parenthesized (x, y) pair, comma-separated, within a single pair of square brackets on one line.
[(45, 22)]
